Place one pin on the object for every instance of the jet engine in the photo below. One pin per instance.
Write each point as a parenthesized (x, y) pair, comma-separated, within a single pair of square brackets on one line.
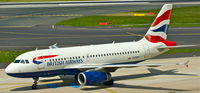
[(92, 78)]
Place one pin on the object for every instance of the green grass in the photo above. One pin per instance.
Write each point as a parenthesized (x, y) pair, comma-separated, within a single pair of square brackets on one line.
[(94, 20), (181, 17), (9, 56), (175, 51), (41, 0)]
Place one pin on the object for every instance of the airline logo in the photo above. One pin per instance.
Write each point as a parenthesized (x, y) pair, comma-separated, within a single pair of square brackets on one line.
[(160, 25), (162, 17), (37, 60), (158, 30)]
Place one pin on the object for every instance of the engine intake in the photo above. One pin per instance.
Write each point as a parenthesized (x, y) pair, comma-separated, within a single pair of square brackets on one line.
[(92, 78)]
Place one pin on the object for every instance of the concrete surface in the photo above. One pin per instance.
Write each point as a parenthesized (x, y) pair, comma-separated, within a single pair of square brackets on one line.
[(165, 79), (23, 38)]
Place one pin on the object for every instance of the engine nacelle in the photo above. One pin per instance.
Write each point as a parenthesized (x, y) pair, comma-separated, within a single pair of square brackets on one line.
[(92, 78)]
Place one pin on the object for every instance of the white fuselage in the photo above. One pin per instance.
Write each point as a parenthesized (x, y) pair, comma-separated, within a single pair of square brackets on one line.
[(74, 57)]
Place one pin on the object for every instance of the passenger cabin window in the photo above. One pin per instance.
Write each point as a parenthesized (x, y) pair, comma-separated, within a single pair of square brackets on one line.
[(22, 61)]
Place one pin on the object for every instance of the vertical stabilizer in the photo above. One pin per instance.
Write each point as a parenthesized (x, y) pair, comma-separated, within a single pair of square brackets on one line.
[(160, 25), (158, 30)]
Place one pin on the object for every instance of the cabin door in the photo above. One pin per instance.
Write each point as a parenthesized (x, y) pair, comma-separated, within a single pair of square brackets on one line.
[(87, 58), (40, 61)]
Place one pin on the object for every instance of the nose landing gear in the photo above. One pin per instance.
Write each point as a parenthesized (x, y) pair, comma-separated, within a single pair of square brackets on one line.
[(35, 86)]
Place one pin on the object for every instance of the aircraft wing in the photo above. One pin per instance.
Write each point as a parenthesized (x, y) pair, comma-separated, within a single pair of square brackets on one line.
[(180, 46), (99, 67)]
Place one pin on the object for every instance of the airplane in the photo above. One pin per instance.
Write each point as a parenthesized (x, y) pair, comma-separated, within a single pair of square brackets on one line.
[(93, 64)]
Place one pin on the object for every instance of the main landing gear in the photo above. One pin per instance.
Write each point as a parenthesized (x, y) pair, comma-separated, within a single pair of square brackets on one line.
[(35, 86), (109, 83)]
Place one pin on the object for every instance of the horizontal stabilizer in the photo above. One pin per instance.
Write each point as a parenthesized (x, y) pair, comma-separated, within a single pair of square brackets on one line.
[(179, 46)]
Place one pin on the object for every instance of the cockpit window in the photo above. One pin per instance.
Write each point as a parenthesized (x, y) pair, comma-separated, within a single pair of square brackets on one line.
[(22, 61), (16, 61), (27, 62)]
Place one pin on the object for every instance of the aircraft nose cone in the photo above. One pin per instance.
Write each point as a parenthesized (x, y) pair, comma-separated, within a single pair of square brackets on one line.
[(9, 69)]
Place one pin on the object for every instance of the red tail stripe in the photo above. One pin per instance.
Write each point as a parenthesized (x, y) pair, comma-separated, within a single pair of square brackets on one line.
[(164, 16), (156, 39)]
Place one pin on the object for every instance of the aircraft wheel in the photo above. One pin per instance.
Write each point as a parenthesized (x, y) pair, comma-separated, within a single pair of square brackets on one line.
[(109, 83), (76, 77), (34, 86)]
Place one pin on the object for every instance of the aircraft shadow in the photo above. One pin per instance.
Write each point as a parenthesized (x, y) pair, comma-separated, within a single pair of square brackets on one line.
[(153, 72), (117, 85), (49, 80), (71, 83)]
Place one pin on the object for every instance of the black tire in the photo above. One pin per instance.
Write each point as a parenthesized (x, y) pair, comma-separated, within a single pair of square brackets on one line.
[(76, 77), (109, 83), (34, 86)]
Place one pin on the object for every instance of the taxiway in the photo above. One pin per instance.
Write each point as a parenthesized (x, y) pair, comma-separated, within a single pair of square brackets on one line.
[(165, 79)]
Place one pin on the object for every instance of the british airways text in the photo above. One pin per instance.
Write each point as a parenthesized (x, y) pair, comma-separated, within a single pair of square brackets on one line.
[(58, 63)]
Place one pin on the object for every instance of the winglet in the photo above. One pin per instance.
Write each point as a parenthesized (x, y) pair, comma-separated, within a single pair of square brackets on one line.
[(54, 46), (185, 63)]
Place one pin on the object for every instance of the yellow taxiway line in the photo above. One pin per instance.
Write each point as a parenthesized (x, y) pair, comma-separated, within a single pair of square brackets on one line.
[(110, 90)]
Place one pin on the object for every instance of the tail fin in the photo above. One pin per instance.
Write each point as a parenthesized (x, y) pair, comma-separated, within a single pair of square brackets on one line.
[(158, 30)]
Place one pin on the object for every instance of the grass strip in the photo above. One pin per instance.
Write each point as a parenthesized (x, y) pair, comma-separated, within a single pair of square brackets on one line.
[(181, 17), (9, 56), (189, 50)]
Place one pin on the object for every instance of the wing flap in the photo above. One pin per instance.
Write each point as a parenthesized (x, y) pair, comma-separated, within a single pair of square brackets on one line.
[(180, 46), (132, 65)]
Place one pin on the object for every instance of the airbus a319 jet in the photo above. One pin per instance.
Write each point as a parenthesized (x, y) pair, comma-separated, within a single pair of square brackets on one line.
[(92, 64)]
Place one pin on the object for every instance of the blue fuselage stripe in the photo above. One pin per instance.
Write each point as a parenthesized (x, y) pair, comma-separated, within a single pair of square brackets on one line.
[(45, 73), (51, 73)]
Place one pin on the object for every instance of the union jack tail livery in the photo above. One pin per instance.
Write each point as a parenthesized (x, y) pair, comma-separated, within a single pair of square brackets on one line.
[(158, 30)]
